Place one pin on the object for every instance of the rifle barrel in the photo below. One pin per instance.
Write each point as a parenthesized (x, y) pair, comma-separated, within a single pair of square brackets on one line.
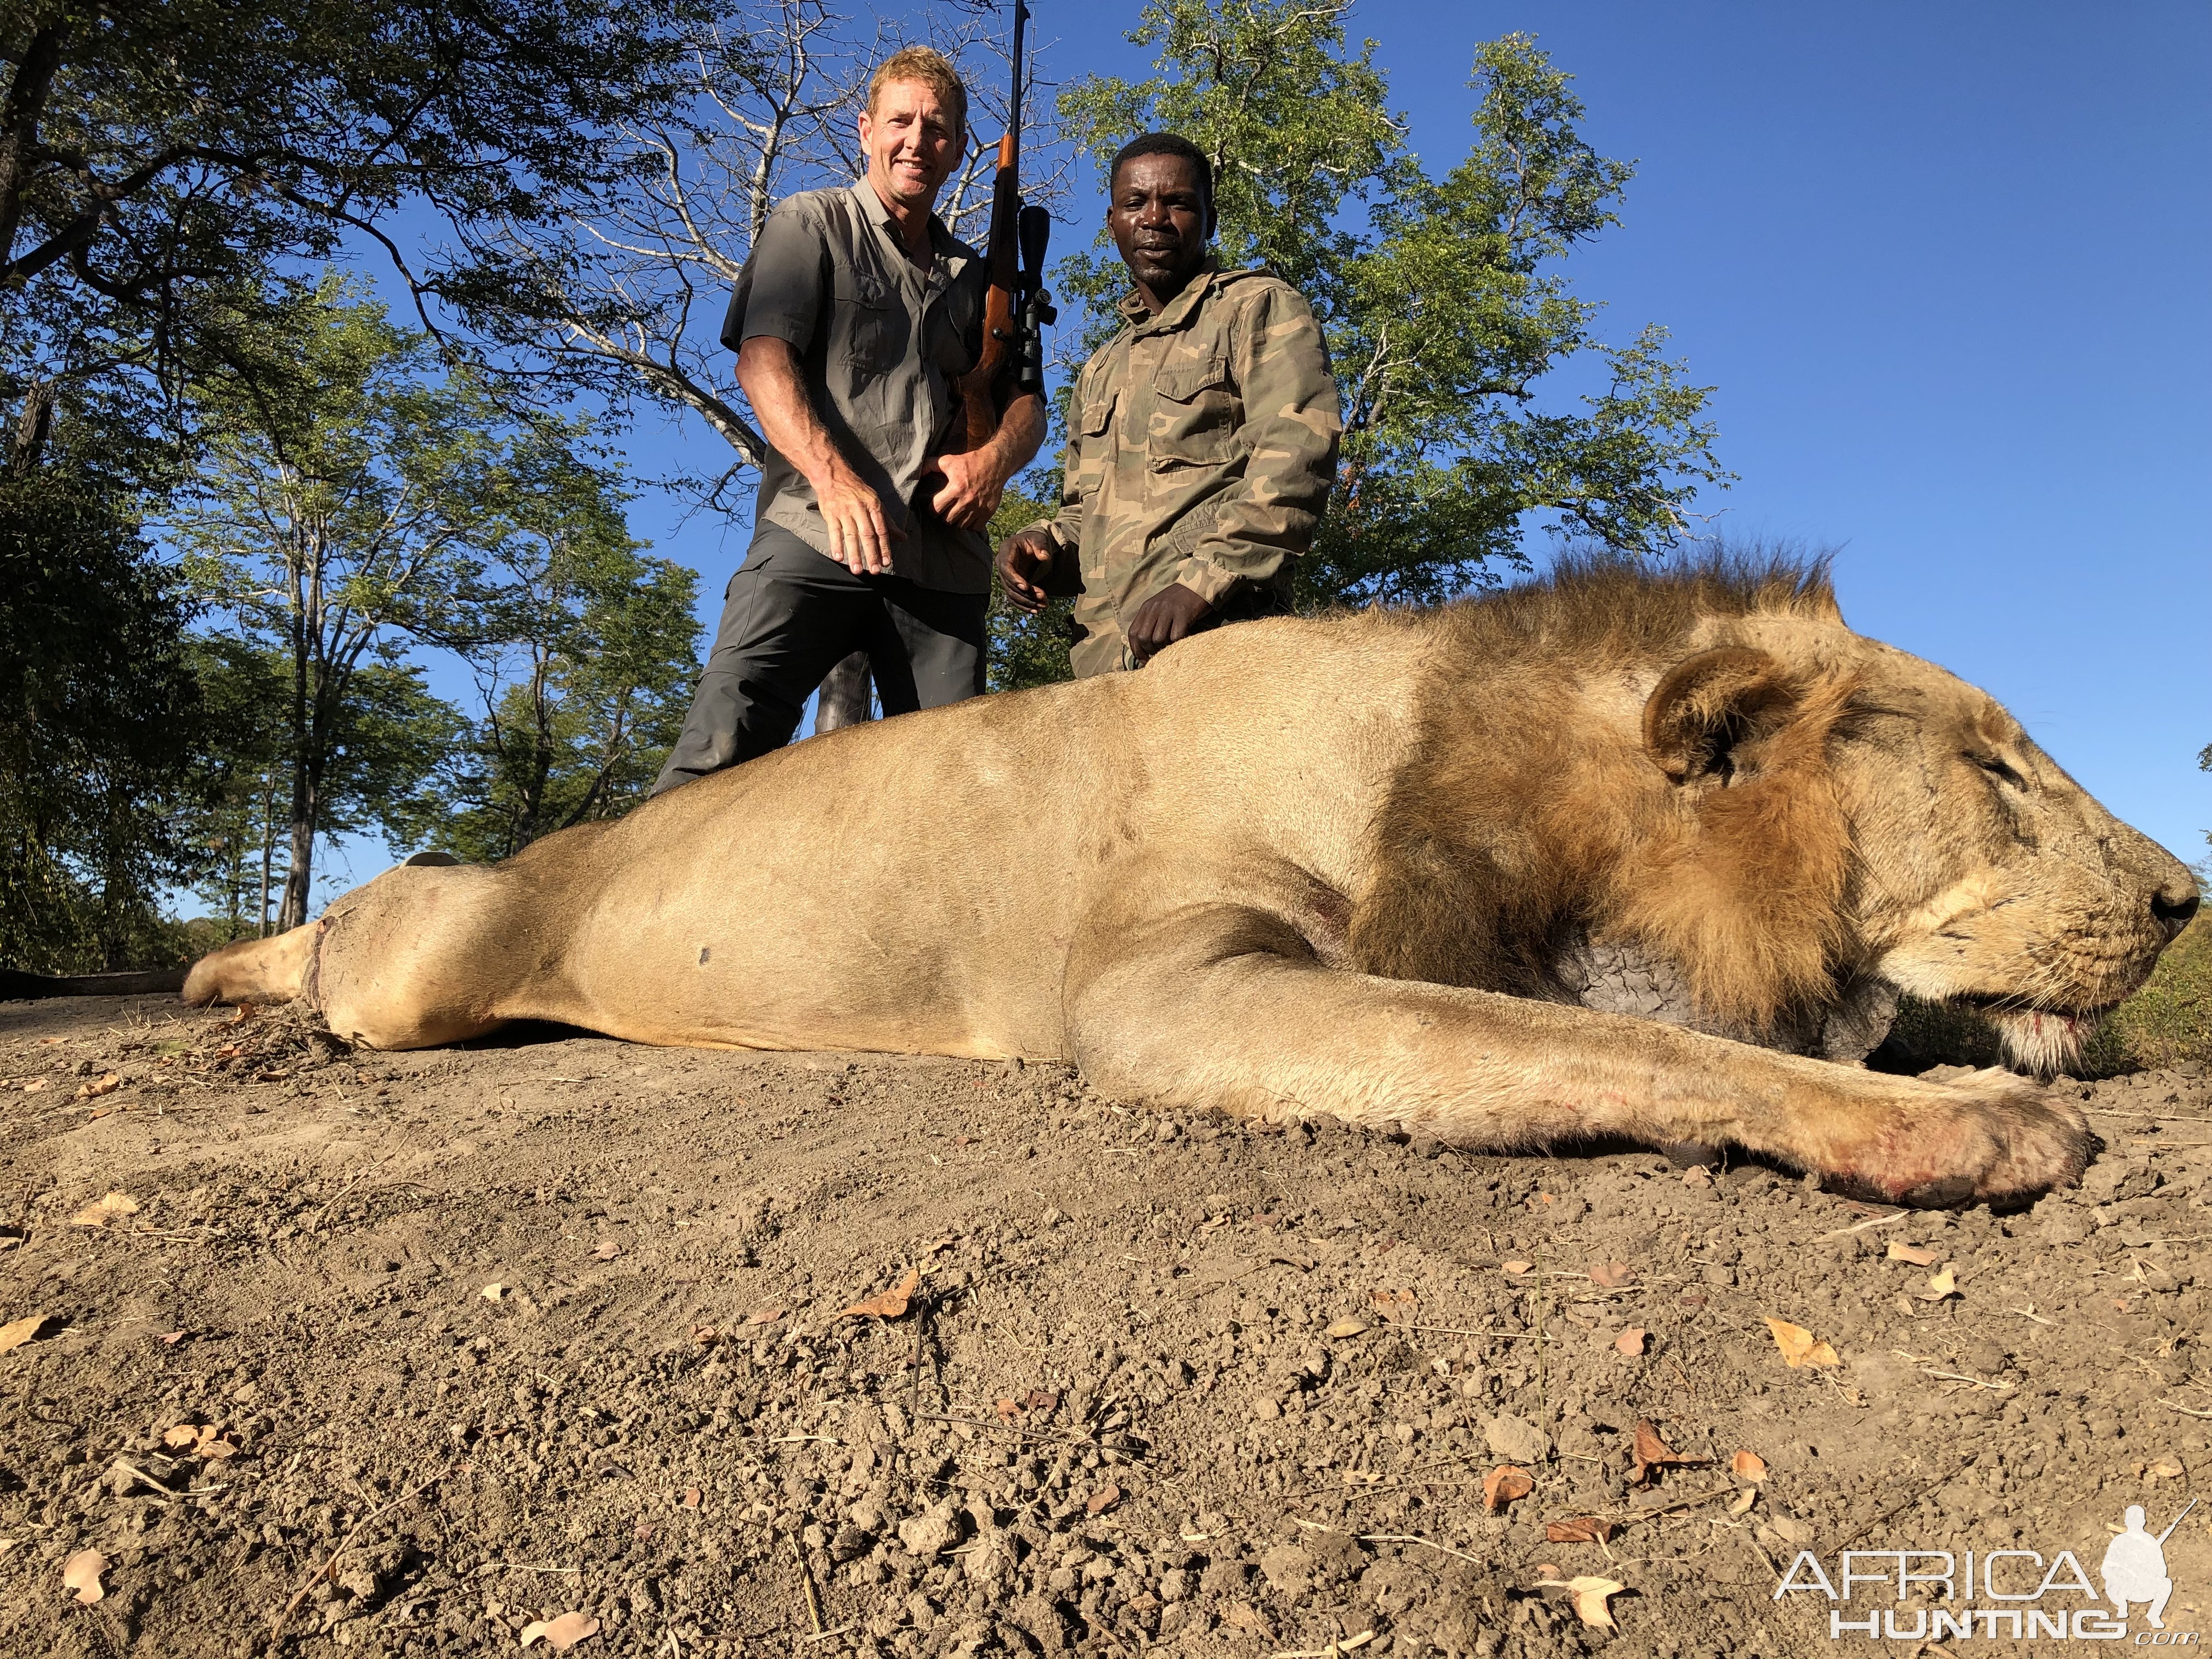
[(2177, 1520)]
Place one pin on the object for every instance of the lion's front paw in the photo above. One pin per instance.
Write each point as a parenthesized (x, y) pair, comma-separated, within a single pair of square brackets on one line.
[(1992, 1137)]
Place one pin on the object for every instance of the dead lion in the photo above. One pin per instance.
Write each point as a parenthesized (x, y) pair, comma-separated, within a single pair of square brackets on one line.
[(1415, 869)]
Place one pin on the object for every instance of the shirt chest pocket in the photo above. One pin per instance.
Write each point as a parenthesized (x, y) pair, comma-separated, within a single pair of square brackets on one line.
[(1094, 441), (1195, 414), (871, 329)]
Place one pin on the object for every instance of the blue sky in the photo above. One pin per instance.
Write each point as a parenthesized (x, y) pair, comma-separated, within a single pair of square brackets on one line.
[(1948, 268)]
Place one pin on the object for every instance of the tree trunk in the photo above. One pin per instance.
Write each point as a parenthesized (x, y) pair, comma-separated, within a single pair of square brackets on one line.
[(268, 845), (300, 848), (845, 696)]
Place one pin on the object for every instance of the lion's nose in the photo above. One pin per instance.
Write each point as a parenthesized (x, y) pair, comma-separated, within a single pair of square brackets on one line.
[(2172, 912)]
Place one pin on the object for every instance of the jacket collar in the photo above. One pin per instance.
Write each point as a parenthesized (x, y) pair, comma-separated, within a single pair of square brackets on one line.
[(1179, 310)]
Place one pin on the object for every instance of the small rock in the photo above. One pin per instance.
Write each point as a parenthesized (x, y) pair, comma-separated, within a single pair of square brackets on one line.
[(1224, 1577), (931, 1535), (1174, 1584), (850, 1544), (1516, 1439), (1288, 1567)]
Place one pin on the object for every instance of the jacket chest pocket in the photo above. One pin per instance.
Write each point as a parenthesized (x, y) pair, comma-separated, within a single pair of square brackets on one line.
[(1195, 414), (1094, 442), (872, 325)]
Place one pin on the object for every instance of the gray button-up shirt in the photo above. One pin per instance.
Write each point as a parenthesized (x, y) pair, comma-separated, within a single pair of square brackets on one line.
[(880, 342)]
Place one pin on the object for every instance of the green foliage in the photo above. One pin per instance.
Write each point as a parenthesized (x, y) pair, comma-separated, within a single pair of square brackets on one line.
[(356, 502), (2170, 1020), (98, 718), (584, 687), (1440, 298), (1026, 650), (161, 151)]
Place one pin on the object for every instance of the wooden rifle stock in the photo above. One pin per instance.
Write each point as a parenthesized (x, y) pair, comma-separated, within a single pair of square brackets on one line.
[(979, 406)]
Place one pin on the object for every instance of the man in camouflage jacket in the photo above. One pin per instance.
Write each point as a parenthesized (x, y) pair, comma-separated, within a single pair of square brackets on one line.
[(1202, 436)]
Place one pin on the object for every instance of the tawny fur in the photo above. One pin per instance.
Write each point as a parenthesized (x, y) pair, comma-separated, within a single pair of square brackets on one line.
[(1296, 867)]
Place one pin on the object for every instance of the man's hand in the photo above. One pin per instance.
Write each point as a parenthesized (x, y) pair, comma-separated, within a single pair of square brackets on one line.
[(1026, 561), (860, 536), (972, 483), (1165, 617)]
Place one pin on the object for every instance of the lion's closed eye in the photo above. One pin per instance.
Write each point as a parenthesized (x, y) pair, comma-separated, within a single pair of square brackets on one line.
[(1999, 770)]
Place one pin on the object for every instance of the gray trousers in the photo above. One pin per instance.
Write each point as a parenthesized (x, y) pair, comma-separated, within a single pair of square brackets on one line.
[(789, 617)]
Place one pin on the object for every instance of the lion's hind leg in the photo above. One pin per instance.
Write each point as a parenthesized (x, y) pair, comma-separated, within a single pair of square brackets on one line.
[(254, 969)]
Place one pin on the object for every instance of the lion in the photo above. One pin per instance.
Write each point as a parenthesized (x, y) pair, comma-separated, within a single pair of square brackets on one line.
[(1420, 870)]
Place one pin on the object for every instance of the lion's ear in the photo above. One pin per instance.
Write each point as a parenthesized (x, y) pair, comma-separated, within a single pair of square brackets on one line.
[(1703, 713)]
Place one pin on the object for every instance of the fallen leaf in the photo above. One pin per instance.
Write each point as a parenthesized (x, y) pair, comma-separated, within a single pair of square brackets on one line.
[(1397, 1304), (562, 1634), (1939, 1284), (493, 1292), (101, 1085), (2163, 1469), (1741, 1502), (1345, 1328), (245, 1013), (34, 1085), (16, 1333), (1610, 1275), (170, 1339), (891, 1304), (1102, 1500), (766, 1316), (99, 1112), (702, 1335), (1631, 1340), (1040, 1399), (691, 1498), (938, 1246), (1918, 1255), (1582, 1529), (607, 1251), (215, 1448), (1653, 1453), (1516, 1268), (1245, 1617), (1590, 1595), (103, 1210), (1010, 1410), (81, 1573), (1502, 1484), (1747, 1466), (1800, 1346), (183, 1434)]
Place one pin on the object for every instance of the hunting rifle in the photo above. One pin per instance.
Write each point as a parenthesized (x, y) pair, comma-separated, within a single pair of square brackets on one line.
[(1017, 307)]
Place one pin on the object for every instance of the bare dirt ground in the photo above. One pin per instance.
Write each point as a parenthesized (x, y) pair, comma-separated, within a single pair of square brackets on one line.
[(1165, 1383)]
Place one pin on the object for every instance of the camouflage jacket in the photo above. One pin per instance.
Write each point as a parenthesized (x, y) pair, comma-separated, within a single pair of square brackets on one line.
[(1201, 445)]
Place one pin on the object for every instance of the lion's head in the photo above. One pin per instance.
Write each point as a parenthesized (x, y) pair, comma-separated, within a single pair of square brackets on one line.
[(1704, 770)]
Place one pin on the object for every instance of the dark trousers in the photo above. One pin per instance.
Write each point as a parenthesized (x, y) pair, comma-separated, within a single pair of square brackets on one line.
[(789, 617)]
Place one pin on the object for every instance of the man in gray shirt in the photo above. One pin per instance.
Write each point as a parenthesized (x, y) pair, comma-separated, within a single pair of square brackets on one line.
[(852, 319)]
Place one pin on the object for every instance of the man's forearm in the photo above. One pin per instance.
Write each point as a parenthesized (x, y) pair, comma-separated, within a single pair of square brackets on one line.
[(768, 368), (1019, 436)]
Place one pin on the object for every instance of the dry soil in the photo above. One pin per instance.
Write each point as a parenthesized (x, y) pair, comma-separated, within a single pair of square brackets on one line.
[(427, 1348)]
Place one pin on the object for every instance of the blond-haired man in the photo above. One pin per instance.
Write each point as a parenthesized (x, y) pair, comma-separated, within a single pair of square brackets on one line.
[(852, 319)]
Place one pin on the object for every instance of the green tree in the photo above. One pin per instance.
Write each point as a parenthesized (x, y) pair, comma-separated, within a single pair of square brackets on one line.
[(98, 718), (154, 153), (1442, 298), (1026, 650), (586, 677), (349, 509)]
